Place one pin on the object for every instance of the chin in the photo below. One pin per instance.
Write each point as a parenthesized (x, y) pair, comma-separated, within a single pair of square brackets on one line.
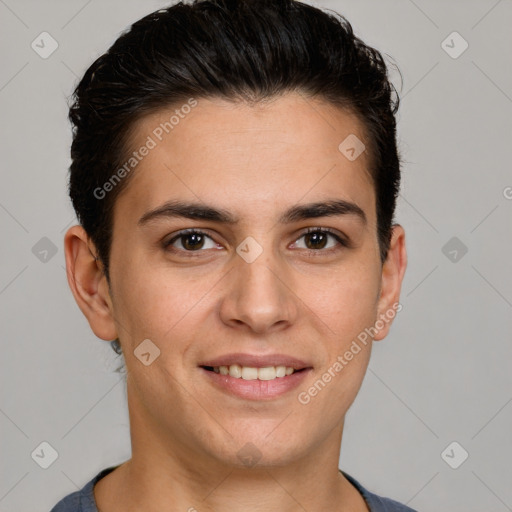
[(261, 450)]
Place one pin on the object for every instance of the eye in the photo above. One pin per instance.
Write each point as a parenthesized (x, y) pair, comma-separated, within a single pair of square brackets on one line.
[(191, 240), (316, 239)]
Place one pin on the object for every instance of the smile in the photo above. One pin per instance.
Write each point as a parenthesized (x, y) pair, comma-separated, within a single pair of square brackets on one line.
[(248, 385)]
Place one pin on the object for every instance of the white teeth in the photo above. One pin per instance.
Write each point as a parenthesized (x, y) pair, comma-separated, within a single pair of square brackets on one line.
[(235, 371), (280, 371), (267, 373), (251, 373)]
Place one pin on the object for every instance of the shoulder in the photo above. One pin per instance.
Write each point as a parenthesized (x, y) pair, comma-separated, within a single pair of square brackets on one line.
[(70, 503), (82, 500), (377, 503)]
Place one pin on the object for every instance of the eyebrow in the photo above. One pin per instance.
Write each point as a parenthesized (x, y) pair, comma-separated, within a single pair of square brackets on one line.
[(199, 211)]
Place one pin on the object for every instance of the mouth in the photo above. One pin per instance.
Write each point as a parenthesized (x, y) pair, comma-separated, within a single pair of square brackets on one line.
[(254, 377)]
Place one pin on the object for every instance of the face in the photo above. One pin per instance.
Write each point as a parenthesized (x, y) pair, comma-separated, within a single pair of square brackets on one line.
[(283, 270)]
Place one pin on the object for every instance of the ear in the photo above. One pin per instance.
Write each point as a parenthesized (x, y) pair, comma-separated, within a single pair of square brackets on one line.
[(393, 271), (88, 283)]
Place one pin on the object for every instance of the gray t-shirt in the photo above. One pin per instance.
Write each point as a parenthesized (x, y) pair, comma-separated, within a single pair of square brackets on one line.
[(83, 500)]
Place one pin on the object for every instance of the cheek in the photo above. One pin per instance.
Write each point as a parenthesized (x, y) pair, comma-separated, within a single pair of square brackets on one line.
[(345, 300), (158, 304)]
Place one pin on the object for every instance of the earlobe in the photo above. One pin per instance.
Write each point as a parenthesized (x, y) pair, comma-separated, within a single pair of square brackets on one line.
[(393, 271), (88, 283)]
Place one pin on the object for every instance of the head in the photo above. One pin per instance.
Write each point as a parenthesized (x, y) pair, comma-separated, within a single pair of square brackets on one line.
[(244, 108)]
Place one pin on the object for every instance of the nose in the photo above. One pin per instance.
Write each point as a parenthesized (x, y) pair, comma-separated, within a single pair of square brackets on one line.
[(259, 295)]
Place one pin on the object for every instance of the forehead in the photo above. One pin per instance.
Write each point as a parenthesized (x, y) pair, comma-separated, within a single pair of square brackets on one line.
[(246, 156)]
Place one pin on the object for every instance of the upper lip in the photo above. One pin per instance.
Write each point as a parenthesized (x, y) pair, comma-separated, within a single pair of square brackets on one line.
[(257, 361)]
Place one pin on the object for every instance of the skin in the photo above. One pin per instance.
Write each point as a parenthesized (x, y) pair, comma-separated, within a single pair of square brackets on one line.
[(296, 298)]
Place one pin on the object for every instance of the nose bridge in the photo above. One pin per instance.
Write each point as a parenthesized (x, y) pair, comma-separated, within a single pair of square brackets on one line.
[(258, 294)]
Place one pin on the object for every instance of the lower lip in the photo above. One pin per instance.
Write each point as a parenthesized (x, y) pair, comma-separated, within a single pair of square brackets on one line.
[(257, 389)]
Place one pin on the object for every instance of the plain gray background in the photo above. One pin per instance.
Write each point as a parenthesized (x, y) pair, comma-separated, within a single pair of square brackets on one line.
[(444, 372)]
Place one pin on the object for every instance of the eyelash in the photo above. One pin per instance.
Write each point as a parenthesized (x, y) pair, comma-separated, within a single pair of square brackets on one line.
[(313, 252)]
